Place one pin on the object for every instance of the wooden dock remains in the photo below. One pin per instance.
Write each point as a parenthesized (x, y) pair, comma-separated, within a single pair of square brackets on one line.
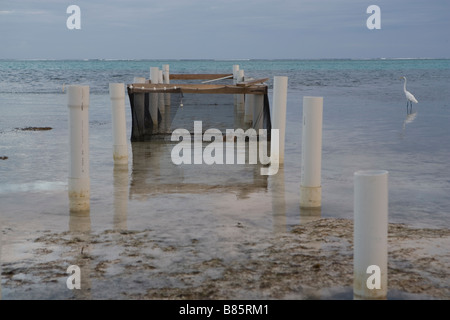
[(156, 102)]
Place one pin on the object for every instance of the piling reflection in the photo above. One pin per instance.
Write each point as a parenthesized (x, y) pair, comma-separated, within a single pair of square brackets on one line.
[(121, 191), (410, 117), (310, 214), (153, 172), (277, 189), (80, 229)]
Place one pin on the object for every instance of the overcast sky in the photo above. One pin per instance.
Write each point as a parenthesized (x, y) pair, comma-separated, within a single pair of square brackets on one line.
[(224, 29)]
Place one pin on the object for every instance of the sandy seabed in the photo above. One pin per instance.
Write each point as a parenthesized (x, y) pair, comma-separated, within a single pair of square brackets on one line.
[(311, 261)]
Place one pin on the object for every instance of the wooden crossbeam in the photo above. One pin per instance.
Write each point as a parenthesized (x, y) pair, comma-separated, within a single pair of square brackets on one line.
[(196, 88), (251, 82)]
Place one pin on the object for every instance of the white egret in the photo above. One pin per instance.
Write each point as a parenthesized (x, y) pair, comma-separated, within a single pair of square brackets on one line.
[(409, 96)]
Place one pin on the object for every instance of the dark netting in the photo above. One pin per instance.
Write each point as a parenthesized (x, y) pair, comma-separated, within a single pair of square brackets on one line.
[(267, 123), (143, 126), (178, 110)]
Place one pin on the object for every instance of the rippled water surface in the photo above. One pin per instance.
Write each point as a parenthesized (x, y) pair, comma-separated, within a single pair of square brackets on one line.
[(365, 126)]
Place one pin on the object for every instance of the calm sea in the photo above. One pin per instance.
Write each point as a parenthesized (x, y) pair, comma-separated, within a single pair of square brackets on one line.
[(366, 126)]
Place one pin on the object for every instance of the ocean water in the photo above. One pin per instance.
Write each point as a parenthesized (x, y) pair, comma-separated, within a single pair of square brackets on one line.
[(365, 126)]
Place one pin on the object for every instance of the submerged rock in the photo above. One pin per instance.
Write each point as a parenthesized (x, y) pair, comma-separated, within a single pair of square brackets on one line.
[(35, 128)]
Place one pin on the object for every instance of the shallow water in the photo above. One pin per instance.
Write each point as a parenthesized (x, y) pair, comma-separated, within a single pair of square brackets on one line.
[(365, 126)]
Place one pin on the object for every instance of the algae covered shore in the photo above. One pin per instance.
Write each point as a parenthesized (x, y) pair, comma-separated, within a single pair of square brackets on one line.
[(313, 260)]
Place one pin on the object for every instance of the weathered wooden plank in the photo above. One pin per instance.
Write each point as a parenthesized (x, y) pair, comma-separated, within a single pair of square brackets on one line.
[(195, 88), (249, 83)]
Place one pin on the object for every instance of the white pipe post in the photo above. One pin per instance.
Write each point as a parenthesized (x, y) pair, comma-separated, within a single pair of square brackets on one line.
[(310, 186), (279, 117), (161, 103), (241, 75), (154, 79), (235, 72), (235, 76), (240, 97), (166, 76), (119, 124), (79, 181), (160, 76), (154, 75), (370, 234)]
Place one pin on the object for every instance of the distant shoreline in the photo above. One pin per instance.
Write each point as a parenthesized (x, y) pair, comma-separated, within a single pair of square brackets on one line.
[(226, 60)]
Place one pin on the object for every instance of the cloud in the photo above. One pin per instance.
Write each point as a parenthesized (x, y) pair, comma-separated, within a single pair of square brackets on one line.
[(229, 28)]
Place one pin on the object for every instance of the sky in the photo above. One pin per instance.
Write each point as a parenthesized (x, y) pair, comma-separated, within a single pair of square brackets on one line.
[(224, 29)]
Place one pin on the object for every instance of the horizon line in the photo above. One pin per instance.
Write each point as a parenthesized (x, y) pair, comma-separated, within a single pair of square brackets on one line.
[(222, 59)]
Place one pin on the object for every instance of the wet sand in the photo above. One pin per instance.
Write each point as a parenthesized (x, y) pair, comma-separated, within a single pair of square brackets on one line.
[(311, 261)]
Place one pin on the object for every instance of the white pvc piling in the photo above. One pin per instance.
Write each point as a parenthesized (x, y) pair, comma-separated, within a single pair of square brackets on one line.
[(79, 181), (240, 97), (310, 186), (166, 74), (161, 103), (279, 116), (235, 76), (160, 76), (119, 126), (235, 72), (154, 79), (154, 75), (166, 80), (241, 75), (370, 234)]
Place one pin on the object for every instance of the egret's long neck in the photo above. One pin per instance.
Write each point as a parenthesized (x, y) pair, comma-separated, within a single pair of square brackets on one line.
[(404, 86)]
